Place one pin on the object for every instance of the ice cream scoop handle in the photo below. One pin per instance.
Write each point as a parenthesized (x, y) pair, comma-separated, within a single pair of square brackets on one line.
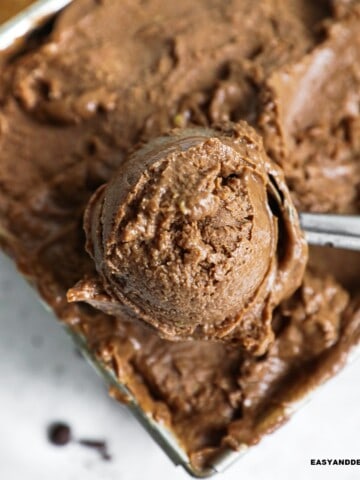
[(340, 231)]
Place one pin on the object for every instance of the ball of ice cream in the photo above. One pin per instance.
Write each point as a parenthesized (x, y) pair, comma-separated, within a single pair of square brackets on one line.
[(196, 236)]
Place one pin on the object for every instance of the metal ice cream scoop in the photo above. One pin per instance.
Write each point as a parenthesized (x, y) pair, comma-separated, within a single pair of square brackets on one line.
[(326, 229), (333, 230)]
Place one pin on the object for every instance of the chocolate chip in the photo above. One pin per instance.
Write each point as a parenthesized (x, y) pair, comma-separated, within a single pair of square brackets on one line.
[(59, 434), (98, 445)]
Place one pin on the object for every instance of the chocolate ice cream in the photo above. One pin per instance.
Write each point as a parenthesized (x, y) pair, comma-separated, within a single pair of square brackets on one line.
[(111, 74), (196, 235)]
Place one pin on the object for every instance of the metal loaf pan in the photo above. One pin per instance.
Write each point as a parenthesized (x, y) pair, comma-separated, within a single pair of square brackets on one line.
[(23, 24)]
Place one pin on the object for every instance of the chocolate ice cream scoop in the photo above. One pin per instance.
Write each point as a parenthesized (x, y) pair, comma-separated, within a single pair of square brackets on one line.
[(196, 236)]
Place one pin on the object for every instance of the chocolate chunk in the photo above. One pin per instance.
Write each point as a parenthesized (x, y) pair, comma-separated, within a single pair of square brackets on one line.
[(59, 434), (99, 445)]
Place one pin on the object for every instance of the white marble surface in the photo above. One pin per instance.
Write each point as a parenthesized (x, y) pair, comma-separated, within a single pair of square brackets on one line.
[(43, 379)]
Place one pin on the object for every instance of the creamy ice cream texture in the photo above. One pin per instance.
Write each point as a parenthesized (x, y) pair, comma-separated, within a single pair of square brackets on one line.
[(196, 235), (111, 74)]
